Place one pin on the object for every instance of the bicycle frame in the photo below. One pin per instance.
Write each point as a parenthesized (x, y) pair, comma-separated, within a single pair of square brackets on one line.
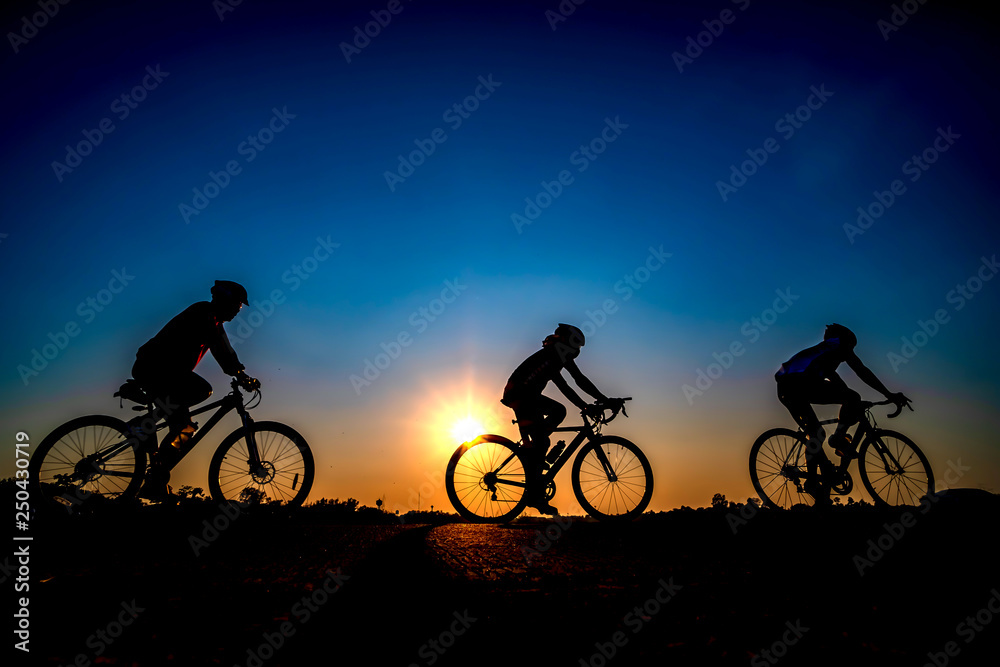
[(864, 434), (584, 432), (223, 406)]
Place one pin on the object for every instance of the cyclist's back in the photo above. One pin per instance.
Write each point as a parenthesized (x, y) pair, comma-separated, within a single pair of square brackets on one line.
[(535, 372), (819, 361), (184, 340)]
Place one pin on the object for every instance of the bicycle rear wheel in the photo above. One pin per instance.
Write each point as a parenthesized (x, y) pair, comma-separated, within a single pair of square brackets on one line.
[(612, 479), (893, 470), (487, 481), (283, 477), (87, 459), (778, 468)]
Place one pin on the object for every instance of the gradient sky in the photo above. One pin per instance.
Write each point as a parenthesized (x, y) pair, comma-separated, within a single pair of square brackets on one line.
[(654, 190)]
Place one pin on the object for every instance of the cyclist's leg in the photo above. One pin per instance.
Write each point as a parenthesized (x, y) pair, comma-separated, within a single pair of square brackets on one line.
[(797, 395), (833, 391), (554, 413), (173, 394), (537, 416)]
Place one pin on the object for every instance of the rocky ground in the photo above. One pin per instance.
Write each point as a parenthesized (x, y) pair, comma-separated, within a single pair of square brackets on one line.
[(853, 586)]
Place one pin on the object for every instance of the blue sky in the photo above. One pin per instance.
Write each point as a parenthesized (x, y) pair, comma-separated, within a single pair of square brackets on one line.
[(321, 182)]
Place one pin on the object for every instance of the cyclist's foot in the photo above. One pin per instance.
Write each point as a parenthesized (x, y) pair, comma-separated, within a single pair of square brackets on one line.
[(819, 492), (156, 491), (155, 487), (544, 507), (841, 443)]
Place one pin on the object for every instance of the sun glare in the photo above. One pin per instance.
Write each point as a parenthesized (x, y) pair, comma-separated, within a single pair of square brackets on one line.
[(466, 429)]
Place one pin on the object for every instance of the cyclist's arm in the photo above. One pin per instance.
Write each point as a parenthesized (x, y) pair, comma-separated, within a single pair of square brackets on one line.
[(584, 382), (223, 351), (564, 387), (867, 376)]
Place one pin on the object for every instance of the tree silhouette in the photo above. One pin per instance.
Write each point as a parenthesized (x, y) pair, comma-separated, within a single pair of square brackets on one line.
[(251, 496), (719, 501)]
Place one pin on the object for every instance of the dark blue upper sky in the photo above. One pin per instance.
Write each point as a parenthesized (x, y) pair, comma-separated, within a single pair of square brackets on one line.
[(866, 106)]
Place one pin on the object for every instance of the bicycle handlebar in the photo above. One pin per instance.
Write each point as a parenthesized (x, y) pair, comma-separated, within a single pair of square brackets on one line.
[(899, 406), (616, 405)]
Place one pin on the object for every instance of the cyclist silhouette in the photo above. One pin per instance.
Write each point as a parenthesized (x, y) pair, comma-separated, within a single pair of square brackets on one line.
[(810, 377), (537, 415), (164, 368)]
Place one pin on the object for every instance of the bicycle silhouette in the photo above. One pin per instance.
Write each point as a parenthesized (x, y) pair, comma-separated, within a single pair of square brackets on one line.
[(103, 457), (487, 482), (893, 470)]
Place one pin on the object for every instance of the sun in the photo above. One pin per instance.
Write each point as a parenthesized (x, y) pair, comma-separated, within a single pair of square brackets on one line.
[(466, 429)]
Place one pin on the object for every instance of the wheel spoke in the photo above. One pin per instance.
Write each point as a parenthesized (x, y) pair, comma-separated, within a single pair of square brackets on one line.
[(624, 497), (471, 474)]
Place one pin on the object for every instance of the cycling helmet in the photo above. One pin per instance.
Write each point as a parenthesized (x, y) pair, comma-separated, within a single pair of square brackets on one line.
[(227, 289), (570, 335), (841, 332)]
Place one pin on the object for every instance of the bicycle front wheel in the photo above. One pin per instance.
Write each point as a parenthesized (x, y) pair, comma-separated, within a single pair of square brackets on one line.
[(283, 476), (894, 470), (612, 479), (487, 481), (86, 460), (778, 468)]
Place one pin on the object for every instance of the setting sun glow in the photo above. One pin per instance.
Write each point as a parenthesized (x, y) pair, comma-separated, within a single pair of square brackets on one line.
[(466, 429)]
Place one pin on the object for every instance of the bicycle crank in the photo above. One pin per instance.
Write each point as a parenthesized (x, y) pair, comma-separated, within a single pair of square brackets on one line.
[(843, 483)]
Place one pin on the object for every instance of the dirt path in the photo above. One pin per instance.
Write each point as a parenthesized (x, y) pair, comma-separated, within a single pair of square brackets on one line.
[(684, 588)]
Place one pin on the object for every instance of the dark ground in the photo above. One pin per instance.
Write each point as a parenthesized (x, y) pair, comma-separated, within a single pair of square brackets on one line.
[(729, 595)]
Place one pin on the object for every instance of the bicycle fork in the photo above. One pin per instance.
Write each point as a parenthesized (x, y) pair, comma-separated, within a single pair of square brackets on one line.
[(263, 472), (605, 462)]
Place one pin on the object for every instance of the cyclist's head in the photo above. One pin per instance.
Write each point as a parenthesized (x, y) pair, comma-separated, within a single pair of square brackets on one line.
[(228, 297), (843, 333), (568, 340)]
